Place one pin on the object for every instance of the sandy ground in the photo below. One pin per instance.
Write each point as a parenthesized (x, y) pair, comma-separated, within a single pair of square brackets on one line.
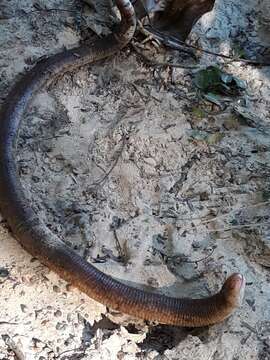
[(156, 187)]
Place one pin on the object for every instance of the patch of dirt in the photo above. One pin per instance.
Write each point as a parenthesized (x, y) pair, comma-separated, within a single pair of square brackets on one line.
[(154, 185)]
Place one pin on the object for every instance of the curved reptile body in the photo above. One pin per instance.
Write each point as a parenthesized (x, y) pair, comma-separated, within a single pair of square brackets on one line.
[(41, 243)]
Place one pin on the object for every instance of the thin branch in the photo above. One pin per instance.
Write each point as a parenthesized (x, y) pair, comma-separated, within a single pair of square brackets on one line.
[(118, 246), (100, 181), (178, 45), (252, 225), (225, 215), (161, 64), (195, 261)]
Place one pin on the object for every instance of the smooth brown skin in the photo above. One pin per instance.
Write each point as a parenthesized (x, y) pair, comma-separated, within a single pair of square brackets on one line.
[(41, 243), (179, 16), (173, 17)]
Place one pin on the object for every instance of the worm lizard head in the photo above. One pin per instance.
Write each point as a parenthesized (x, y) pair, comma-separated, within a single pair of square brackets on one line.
[(234, 288)]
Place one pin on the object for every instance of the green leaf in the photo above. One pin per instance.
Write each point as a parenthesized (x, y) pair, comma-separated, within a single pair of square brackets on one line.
[(238, 51), (208, 78), (215, 138), (198, 135), (210, 139), (226, 78), (215, 81), (231, 122), (198, 112), (215, 99), (241, 84)]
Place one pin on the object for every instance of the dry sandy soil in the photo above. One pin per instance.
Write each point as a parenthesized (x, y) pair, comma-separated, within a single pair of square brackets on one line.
[(144, 178)]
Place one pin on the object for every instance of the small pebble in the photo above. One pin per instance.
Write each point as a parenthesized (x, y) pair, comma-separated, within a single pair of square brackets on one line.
[(56, 289), (23, 308), (196, 244), (57, 313), (61, 326), (4, 272)]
